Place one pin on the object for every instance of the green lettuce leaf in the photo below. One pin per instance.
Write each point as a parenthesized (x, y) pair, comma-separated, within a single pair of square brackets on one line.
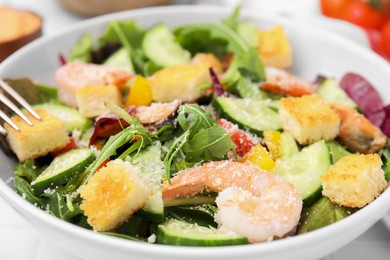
[(82, 50), (131, 31)]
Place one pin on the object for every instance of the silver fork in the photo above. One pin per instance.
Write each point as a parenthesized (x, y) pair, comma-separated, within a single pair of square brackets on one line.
[(4, 86)]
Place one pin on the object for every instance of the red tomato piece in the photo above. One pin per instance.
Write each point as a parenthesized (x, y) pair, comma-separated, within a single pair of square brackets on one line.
[(332, 8), (69, 146), (385, 33), (362, 14), (243, 141), (103, 164), (375, 38)]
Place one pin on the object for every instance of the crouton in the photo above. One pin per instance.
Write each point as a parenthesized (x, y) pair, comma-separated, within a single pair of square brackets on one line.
[(90, 100), (355, 180), (208, 60), (308, 118), (46, 135), (179, 82), (113, 194), (274, 48)]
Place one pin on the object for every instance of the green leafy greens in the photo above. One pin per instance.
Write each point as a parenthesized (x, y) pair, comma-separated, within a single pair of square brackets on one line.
[(202, 138)]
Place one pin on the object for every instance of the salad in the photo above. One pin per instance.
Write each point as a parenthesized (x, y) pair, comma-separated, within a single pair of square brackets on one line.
[(198, 136)]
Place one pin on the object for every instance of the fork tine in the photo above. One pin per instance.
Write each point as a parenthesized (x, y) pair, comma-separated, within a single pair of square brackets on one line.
[(9, 121), (18, 98), (2, 130), (14, 108)]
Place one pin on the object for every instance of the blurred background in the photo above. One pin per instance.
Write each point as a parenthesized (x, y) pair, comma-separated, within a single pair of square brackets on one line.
[(366, 22)]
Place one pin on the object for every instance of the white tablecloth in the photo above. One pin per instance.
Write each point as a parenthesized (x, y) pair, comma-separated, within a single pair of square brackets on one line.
[(20, 241)]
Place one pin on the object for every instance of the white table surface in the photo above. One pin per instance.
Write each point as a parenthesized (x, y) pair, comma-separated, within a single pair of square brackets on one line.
[(20, 241)]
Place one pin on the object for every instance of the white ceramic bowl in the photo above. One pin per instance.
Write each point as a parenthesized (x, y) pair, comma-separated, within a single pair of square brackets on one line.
[(315, 52)]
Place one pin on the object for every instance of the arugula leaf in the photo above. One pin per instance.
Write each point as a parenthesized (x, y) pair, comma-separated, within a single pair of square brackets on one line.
[(193, 118), (247, 66), (132, 32), (172, 152), (26, 88), (250, 66), (82, 50), (59, 208), (202, 214), (215, 31), (209, 144), (385, 156), (200, 41), (233, 20), (48, 94), (23, 188), (130, 35), (28, 170), (202, 140), (249, 32), (127, 135)]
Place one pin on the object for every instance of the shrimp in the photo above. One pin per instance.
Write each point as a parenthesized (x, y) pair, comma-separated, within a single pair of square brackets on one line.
[(76, 75), (251, 202), (282, 82), (357, 132)]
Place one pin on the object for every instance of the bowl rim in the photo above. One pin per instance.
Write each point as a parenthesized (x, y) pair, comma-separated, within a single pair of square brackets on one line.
[(350, 222)]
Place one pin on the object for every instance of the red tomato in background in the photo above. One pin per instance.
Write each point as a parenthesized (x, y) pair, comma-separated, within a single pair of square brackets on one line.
[(371, 15), (332, 8), (385, 33), (362, 14)]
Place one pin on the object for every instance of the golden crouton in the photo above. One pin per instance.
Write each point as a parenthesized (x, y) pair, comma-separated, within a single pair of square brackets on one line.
[(179, 82), (208, 60), (113, 194), (274, 48), (355, 180), (308, 118), (46, 135), (90, 100)]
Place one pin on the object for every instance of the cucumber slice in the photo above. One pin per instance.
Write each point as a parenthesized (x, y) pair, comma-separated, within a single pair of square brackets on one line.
[(120, 59), (180, 233), (250, 114), (159, 45), (288, 145), (331, 92), (152, 167), (305, 168), (337, 151), (70, 116), (62, 169)]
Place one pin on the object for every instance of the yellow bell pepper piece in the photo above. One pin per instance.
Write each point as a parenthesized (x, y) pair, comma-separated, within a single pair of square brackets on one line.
[(140, 93), (259, 156), (273, 141)]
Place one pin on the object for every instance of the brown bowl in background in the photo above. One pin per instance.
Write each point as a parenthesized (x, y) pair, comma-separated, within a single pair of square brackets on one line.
[(98, 7), (17, 28)]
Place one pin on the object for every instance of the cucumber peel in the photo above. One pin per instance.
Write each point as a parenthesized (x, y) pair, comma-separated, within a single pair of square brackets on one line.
[(249, 114), (70, 116), (181, 233), (159, 46), (305, 169), (62, 169)]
